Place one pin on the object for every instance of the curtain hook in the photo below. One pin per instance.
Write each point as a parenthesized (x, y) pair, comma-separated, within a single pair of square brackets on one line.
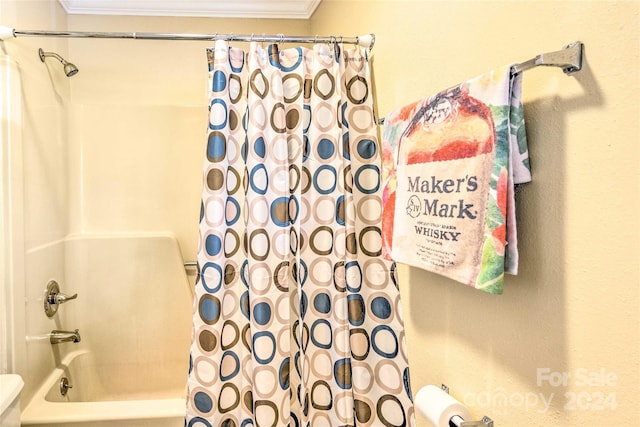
[(334, 42), (251, 38)]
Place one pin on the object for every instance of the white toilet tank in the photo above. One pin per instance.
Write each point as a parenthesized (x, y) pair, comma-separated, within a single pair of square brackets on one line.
[(10, 388)]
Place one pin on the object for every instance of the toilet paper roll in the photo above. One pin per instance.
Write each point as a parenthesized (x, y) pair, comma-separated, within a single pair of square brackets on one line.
[(438, 407)]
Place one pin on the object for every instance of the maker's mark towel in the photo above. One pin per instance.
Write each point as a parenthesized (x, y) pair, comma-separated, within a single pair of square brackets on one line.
[(450, 163)]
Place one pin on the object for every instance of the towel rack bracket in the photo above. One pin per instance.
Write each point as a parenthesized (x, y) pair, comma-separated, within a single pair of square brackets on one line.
[(574, 57), (569, 59)]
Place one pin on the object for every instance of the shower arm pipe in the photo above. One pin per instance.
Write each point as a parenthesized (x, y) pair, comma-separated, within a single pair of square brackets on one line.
[(367, 40)]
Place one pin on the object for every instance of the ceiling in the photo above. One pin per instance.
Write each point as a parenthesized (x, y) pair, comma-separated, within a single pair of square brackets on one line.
[(288, 9)]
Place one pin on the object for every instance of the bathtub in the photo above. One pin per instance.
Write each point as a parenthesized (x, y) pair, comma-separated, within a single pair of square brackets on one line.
[(106, 405), (133, 311)]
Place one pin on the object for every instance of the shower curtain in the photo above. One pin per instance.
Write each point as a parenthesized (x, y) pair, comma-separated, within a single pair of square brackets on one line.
[(297, 318)]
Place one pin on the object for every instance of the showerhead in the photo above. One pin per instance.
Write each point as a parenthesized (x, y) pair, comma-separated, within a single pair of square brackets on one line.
[(69, 68)]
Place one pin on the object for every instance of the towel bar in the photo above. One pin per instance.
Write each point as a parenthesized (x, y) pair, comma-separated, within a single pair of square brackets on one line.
[(569, 59)]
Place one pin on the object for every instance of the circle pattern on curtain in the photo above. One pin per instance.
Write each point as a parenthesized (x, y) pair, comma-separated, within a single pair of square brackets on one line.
[(297, 318)]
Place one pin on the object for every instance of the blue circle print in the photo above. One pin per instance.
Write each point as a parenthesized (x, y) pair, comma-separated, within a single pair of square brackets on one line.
[(326, 148), (236, 209), (213, 245), (219, 81), (294, 209), (406, 381), (362, 188), (356, 309), (259, 340), (198, 422), (209, 280), (262, 313), (222, 124), (325, 186), (296, 64), (345, 122), (354, 278), (303, 271), (366, 148), (244, 304), (243, 150), (304, 304), (283, 374), (202, 402), (209, 309), (280, 211), (235, 364), (340, 210), (260, 188), (376, 345), (346, 151), (322, 340), (322, 303), (244, 273), (342, 373), (381, 307), (259, 147), (306, 148), (216, 147)]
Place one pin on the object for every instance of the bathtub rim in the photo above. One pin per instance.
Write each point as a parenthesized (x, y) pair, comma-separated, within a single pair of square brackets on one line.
[(41, 411)]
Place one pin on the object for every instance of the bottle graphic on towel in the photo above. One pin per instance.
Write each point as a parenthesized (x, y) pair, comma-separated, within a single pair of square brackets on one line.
[(437, 193)]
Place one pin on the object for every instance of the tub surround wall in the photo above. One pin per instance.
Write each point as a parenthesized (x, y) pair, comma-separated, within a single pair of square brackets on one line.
[(134, 314), (133, 310), (139, 123), (44, 198)]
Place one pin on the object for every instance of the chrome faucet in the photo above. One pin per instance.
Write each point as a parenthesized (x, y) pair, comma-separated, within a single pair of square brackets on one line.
[(53, 298), (57, 336)]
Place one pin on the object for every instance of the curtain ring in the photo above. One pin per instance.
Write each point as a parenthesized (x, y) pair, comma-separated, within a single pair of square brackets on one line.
[(251, 38), (315, 39), (336, 49)]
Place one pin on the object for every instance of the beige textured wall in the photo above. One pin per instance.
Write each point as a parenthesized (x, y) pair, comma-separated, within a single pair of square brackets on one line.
[(574, 309)]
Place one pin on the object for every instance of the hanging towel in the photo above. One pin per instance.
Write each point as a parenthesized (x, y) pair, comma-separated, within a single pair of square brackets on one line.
[(450, 164)]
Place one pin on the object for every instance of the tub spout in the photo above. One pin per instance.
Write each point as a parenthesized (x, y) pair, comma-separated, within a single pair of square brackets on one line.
[(57, 337)]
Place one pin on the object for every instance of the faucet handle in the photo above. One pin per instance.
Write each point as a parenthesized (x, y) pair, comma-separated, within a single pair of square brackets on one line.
[(61, 298), (53, 298)]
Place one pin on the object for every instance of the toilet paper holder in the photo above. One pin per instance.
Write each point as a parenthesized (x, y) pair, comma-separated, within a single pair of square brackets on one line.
[(458, 421)]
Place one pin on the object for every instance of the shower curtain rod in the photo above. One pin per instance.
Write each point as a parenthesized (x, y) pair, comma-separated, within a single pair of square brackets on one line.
[(366, 40)]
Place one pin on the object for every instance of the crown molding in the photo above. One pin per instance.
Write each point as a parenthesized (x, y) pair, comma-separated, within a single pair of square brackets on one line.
[(281, 9)]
